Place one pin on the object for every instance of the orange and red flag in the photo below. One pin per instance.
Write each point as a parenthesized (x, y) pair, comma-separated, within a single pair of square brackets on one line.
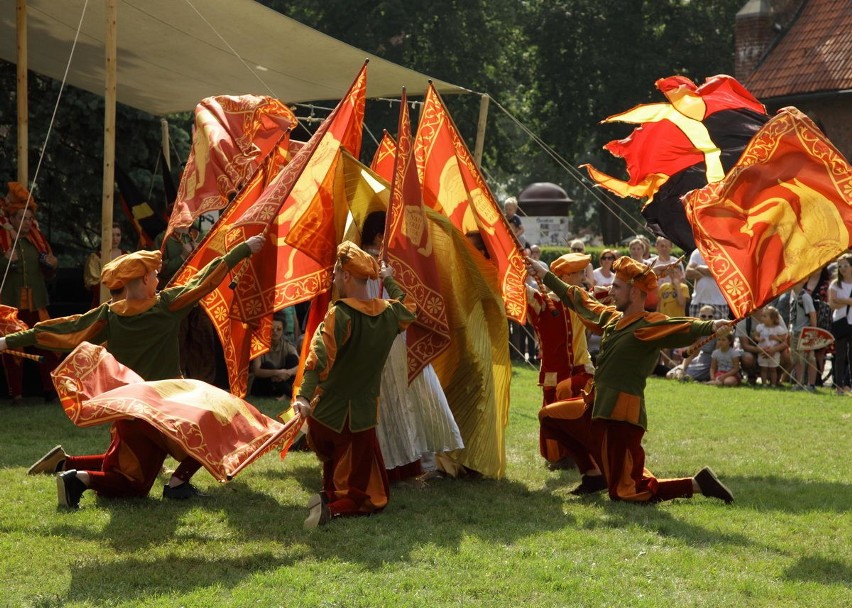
[(279, 275), (231, 137), (274, 278), (782, 212), (408, 249), (684, 144), (305, 191), (222, 432), (453, 185), (385, 157)]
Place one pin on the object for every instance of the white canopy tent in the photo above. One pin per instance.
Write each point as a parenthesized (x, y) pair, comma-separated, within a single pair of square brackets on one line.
[(173, 53), (164, 56)]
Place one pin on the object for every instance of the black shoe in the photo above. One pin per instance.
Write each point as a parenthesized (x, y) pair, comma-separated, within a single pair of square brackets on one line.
[(712, 487), (319, 513), (182, 492), (69, 489), (590, 484)]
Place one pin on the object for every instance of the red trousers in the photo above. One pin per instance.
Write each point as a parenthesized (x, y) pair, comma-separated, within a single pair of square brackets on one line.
[(129, 467), (354, 479), (616, 447), (14, 366), (623, 464)]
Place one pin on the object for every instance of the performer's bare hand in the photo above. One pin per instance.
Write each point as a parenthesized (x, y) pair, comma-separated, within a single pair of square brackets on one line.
[(535, 267), (721, 324), (386, 271), (3, 344), (11, 255), (256, 243), (302, 407)]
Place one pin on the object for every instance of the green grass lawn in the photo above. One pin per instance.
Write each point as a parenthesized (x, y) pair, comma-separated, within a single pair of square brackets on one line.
[(521, 541)]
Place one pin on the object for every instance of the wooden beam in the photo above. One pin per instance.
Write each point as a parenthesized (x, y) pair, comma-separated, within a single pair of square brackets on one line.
[(22, 94), (480, 129), (109, 136)]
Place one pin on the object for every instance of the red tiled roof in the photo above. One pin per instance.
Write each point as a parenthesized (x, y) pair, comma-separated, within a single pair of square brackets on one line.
[(814, 55)]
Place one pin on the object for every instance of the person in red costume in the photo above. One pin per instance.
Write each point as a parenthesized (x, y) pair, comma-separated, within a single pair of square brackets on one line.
[(565, 359)]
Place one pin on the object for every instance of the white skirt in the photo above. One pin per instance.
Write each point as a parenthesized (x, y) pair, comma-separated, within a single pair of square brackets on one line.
[(413, 419)]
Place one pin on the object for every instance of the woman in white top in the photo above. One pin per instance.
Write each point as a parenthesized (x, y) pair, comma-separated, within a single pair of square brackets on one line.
[(603, 274), (840, 302)]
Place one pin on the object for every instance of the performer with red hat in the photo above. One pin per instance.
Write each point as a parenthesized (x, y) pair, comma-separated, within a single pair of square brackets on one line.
[(30, 261), (565, 359), (615, 418), (141, 332), (340, 389)]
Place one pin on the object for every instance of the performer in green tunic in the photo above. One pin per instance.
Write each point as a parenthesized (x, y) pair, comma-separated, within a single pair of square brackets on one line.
[(610, 431), (339, 394), (141, 331)]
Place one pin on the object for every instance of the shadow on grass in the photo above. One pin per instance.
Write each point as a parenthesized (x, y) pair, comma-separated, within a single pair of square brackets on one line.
[(440, 515), (136, 579), (820, 570)]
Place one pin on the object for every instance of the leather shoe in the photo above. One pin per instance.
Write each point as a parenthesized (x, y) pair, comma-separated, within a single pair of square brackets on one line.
[(182, 492), (319, 514), (50, 463), (590, 484), (69, 489), (710, 485)]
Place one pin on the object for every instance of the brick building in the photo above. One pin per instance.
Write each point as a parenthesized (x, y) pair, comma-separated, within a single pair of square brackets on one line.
[(799, 53)]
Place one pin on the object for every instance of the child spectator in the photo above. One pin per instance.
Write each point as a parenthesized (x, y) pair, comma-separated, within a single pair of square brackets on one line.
[(771, 337), (725, 362)]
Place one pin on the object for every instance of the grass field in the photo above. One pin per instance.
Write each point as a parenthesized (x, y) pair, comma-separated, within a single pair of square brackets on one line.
[(521, 541)]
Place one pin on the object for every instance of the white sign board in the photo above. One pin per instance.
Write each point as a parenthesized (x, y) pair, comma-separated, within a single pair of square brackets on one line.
[(545, 231)]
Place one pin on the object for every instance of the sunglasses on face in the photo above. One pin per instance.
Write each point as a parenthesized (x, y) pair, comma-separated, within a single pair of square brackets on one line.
[(607, 257), (706, 317), (577, 249)]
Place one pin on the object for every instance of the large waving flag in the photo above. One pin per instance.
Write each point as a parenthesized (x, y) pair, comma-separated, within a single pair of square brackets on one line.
[(684, 144), (782, 212), (232, 136), (279, 275), (453, 185), (274, 278), (408, 248), (222, 432), (306, 189)]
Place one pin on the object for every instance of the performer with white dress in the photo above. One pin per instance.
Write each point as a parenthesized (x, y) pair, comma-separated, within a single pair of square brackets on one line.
[(415, 420)]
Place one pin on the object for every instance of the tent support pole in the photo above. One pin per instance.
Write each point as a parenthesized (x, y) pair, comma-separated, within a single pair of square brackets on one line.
[(480, 129), (109, 136), (22, 93)]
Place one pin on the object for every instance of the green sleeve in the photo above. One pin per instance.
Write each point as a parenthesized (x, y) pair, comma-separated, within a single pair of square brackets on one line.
[(204, 281), (578, 300), (64, 333), (331, 335)]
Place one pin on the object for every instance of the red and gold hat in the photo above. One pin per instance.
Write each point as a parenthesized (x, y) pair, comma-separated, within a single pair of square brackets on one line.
[(17, 197), (570, 262), (123, 269), (630, 271), (356, 261)]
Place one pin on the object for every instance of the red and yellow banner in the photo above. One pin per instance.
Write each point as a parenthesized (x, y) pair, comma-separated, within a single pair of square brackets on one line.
[(231, 137), (781, 213), (453, 185), (274, 278), (408, 249), (306, 189), (222, 432), (385, 157)]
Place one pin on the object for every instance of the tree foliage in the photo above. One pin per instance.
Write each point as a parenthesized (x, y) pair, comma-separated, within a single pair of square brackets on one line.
[(557, 67)]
